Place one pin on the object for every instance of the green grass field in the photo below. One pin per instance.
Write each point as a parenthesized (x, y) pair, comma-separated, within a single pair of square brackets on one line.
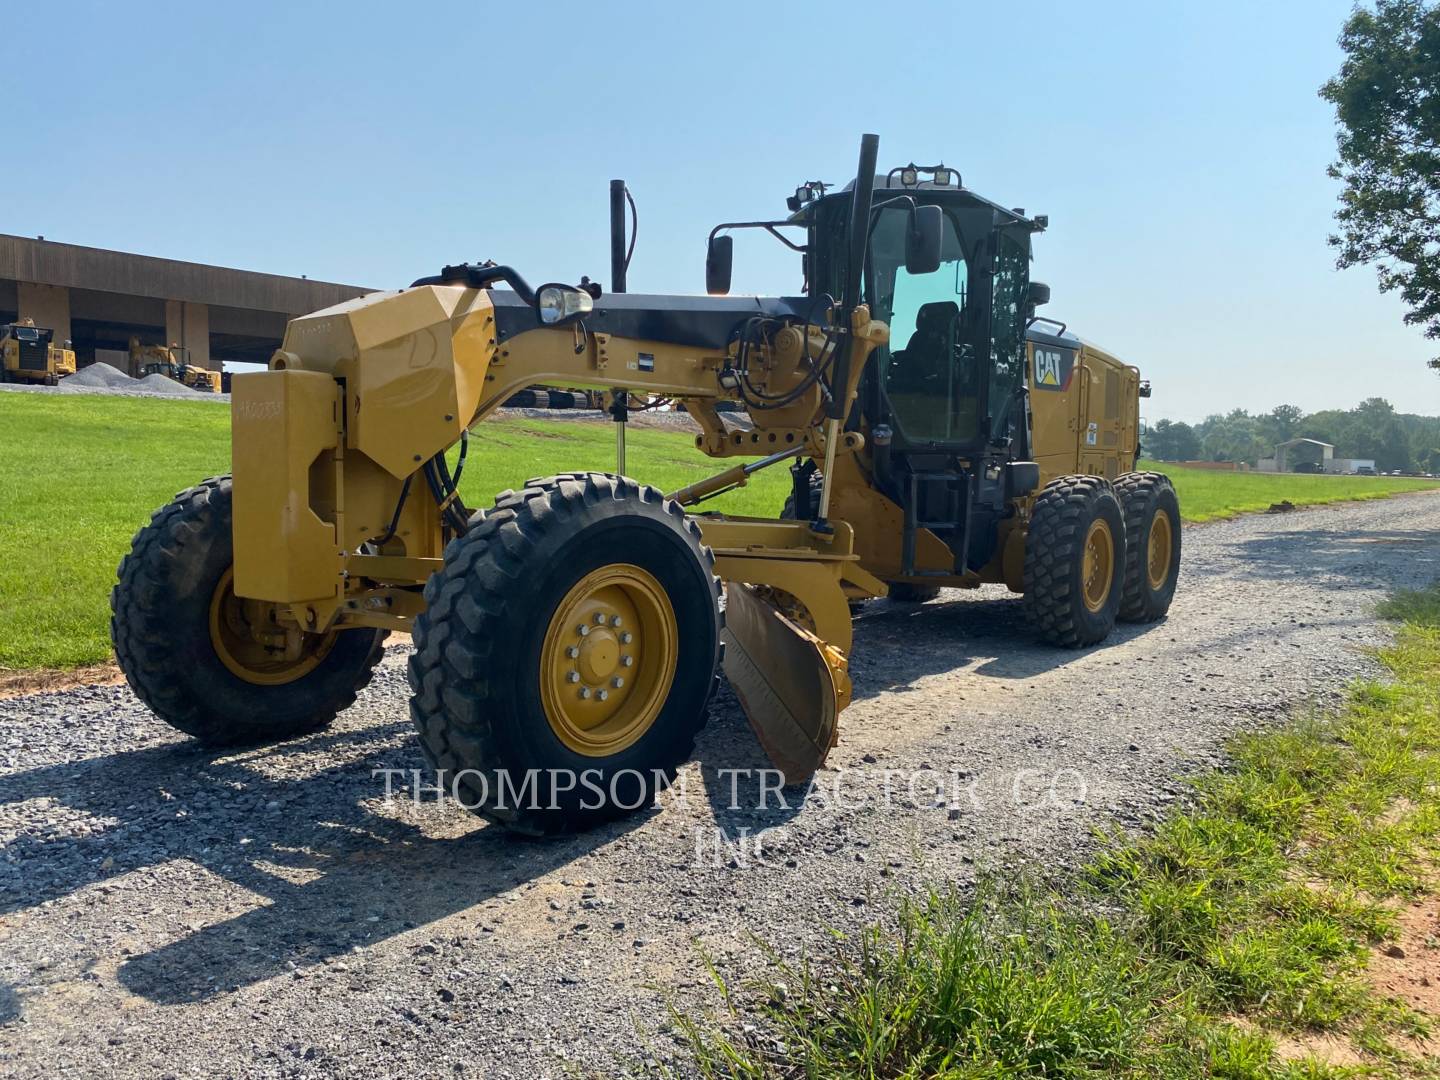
[(1209, 496), (79, 474)]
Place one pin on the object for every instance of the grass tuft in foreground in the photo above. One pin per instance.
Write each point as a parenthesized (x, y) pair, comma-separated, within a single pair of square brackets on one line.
[(1230, 942)]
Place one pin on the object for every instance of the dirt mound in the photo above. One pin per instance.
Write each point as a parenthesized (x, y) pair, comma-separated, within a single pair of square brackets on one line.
[(102, 376)]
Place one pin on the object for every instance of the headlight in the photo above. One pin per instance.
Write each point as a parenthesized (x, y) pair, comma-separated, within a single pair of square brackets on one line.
[(561, 303)]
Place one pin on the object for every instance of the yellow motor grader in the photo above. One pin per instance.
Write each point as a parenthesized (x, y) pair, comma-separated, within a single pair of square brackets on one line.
[(568, 639)]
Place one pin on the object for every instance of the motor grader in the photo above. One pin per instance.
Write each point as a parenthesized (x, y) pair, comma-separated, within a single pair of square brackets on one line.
[(28, 354), (568, 639)]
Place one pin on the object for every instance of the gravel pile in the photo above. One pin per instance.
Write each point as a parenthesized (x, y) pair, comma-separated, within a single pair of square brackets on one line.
[(160, 386), (103, 377), (269, 912)]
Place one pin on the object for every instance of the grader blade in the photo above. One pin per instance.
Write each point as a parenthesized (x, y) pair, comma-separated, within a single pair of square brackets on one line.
[(790, 683)]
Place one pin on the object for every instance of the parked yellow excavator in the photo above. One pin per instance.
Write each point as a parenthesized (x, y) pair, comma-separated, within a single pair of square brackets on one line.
[(568, 638)]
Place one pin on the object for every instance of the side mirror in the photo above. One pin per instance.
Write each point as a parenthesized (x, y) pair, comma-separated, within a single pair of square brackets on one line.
[(1036, 294), (923, 242), (560, 304), (719, 262)]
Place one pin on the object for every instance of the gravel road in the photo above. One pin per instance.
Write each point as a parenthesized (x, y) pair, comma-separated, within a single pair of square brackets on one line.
[(168, 911)]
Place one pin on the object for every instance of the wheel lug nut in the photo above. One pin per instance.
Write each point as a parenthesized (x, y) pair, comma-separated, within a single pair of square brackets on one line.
[(573, 651), (583, 629), (584, 693), (626, 661), (603, 694), (574, 676), (600, 618), (617, 682), (626, 638), (614, 620)]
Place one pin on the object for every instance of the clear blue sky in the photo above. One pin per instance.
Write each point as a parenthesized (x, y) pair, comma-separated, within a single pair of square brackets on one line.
[(1181, 153)]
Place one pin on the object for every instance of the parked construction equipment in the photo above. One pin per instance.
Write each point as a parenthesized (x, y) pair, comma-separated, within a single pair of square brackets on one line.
[(28, 353), (172, 361), (567, 640)]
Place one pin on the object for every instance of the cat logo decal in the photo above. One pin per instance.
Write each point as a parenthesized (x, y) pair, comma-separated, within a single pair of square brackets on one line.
[(1048, 372)]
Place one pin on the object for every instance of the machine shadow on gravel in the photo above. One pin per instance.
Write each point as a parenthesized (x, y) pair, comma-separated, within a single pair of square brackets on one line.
[(957, 629), (375, 875), (9, 1004), (372, 875)]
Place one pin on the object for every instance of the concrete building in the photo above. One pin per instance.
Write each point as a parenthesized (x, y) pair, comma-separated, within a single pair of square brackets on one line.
[(99, 299)]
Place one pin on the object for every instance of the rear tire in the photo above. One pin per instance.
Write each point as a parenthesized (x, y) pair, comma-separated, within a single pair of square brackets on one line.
[(493, 699), (1074, 560), (162, 627), (1152, 545)]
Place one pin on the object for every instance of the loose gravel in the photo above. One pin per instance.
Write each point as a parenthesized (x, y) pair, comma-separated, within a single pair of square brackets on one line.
[(172, 911), (107, 380)]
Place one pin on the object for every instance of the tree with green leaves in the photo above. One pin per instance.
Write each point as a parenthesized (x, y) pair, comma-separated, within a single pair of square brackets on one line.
[(1387, 105), (1172, 441)]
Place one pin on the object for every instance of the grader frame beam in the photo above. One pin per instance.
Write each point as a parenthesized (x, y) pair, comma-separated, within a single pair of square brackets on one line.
[(361, 395)]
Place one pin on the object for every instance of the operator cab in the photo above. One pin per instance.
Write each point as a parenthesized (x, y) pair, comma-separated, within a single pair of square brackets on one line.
[(943, 405), (950, 379), (944, 402)]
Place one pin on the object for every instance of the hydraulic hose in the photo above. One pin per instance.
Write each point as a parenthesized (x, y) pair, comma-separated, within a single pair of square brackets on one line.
[(453, 512)]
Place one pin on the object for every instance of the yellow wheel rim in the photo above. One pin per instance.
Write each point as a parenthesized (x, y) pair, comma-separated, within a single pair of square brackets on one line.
[(1098, 572), (608, 660), (1157, 551), (254, 647)]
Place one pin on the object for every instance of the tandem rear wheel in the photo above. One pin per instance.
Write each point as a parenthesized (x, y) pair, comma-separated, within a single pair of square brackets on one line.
[(1074, 561), (1152, 545), (567, 653), (1096, 552), (209, 663)]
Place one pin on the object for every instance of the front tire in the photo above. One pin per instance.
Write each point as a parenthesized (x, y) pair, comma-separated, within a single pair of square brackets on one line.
[(1074, 560), (1152, 545), (567, 653), (180, 636)]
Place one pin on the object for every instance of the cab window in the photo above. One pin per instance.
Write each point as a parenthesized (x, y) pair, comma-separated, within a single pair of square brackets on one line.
[(927, 370), (1007, 332)]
